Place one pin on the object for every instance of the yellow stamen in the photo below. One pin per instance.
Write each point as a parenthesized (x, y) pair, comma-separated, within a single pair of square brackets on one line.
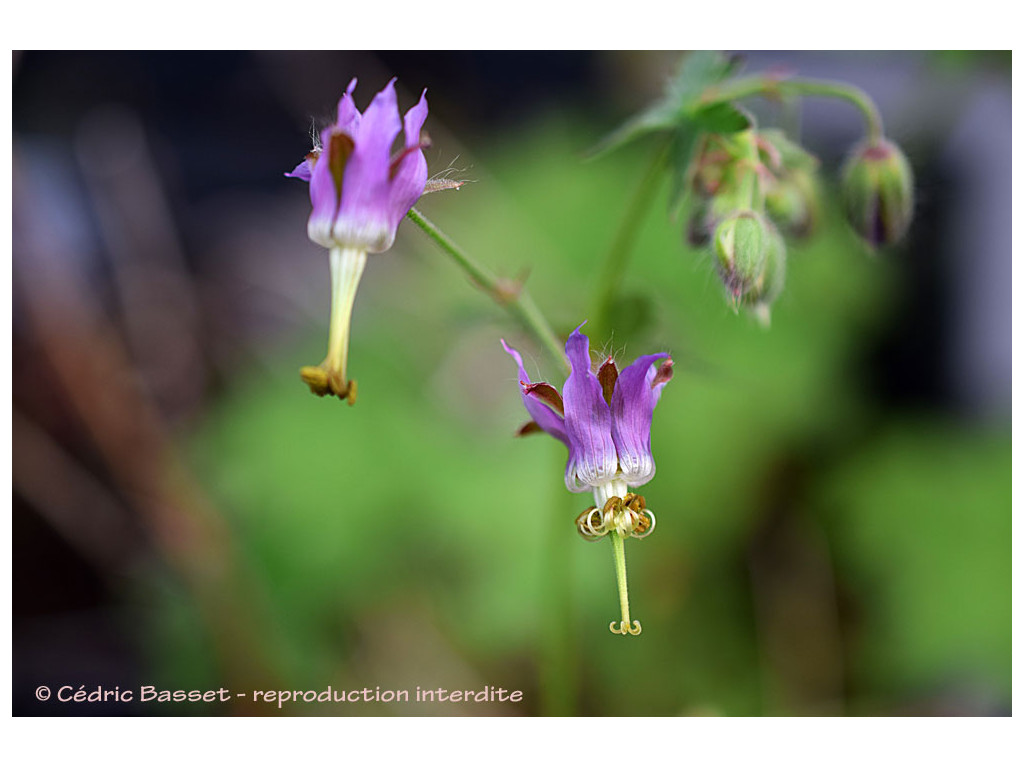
[(329, 378)]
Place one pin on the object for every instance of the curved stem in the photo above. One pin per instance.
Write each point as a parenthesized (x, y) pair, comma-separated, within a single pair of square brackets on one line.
[(617, 258), (513, 297), (742, 87)]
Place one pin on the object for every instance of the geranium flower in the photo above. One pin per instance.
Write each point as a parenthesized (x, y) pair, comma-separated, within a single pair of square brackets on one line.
[(604, 419), (360, 193)]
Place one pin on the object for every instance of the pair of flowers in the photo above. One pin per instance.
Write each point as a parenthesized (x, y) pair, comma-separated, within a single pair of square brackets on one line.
[(360, 191)]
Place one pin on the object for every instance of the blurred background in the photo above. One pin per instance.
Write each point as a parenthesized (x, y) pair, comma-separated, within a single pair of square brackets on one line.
[(833, 494)]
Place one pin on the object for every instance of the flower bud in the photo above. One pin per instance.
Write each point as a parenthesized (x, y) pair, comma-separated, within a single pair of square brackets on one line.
[(878, 192), (711, 165), (705, 217), (740, 248), (794, 203), (787, 154), (768, 285)]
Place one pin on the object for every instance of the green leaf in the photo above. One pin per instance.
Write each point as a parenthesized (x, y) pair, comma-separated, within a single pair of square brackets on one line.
[(658, 117), (722, 118), (698, 71)]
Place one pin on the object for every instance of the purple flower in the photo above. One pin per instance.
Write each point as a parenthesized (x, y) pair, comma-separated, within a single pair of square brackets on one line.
[(360, 193), (604, 419)]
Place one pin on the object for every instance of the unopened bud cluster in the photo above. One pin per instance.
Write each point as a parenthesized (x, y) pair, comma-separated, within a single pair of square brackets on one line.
[(755, 188)]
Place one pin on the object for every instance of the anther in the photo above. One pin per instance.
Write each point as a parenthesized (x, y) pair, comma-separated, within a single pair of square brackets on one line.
[(590, 524), (645, 524), (582, 516), (635, 502)]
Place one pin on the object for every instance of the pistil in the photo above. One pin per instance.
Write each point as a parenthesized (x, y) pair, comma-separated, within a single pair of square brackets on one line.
[(625, 626)]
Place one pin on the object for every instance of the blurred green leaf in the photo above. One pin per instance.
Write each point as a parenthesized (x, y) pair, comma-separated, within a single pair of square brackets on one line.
[(679, 109), (680, 161), (698, 71), (921, 520), (721, 118), (660, 116)]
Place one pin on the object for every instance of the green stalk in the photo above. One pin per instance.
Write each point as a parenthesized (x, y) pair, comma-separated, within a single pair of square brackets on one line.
[(517, 302), (750, 183), (759, 85)]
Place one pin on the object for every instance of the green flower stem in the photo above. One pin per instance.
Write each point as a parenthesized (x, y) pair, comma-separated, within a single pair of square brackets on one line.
[(750, 183), (618, 254), (759, 85), (789, 118), (514, 298)]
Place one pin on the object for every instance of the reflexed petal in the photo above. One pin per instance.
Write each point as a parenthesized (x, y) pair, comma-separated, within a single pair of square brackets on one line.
[(414, 120), (592, 459), (410, 176), (662, 377), (540, 412), (528, 429), (547, 394), (632, 408), (348, 116)]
